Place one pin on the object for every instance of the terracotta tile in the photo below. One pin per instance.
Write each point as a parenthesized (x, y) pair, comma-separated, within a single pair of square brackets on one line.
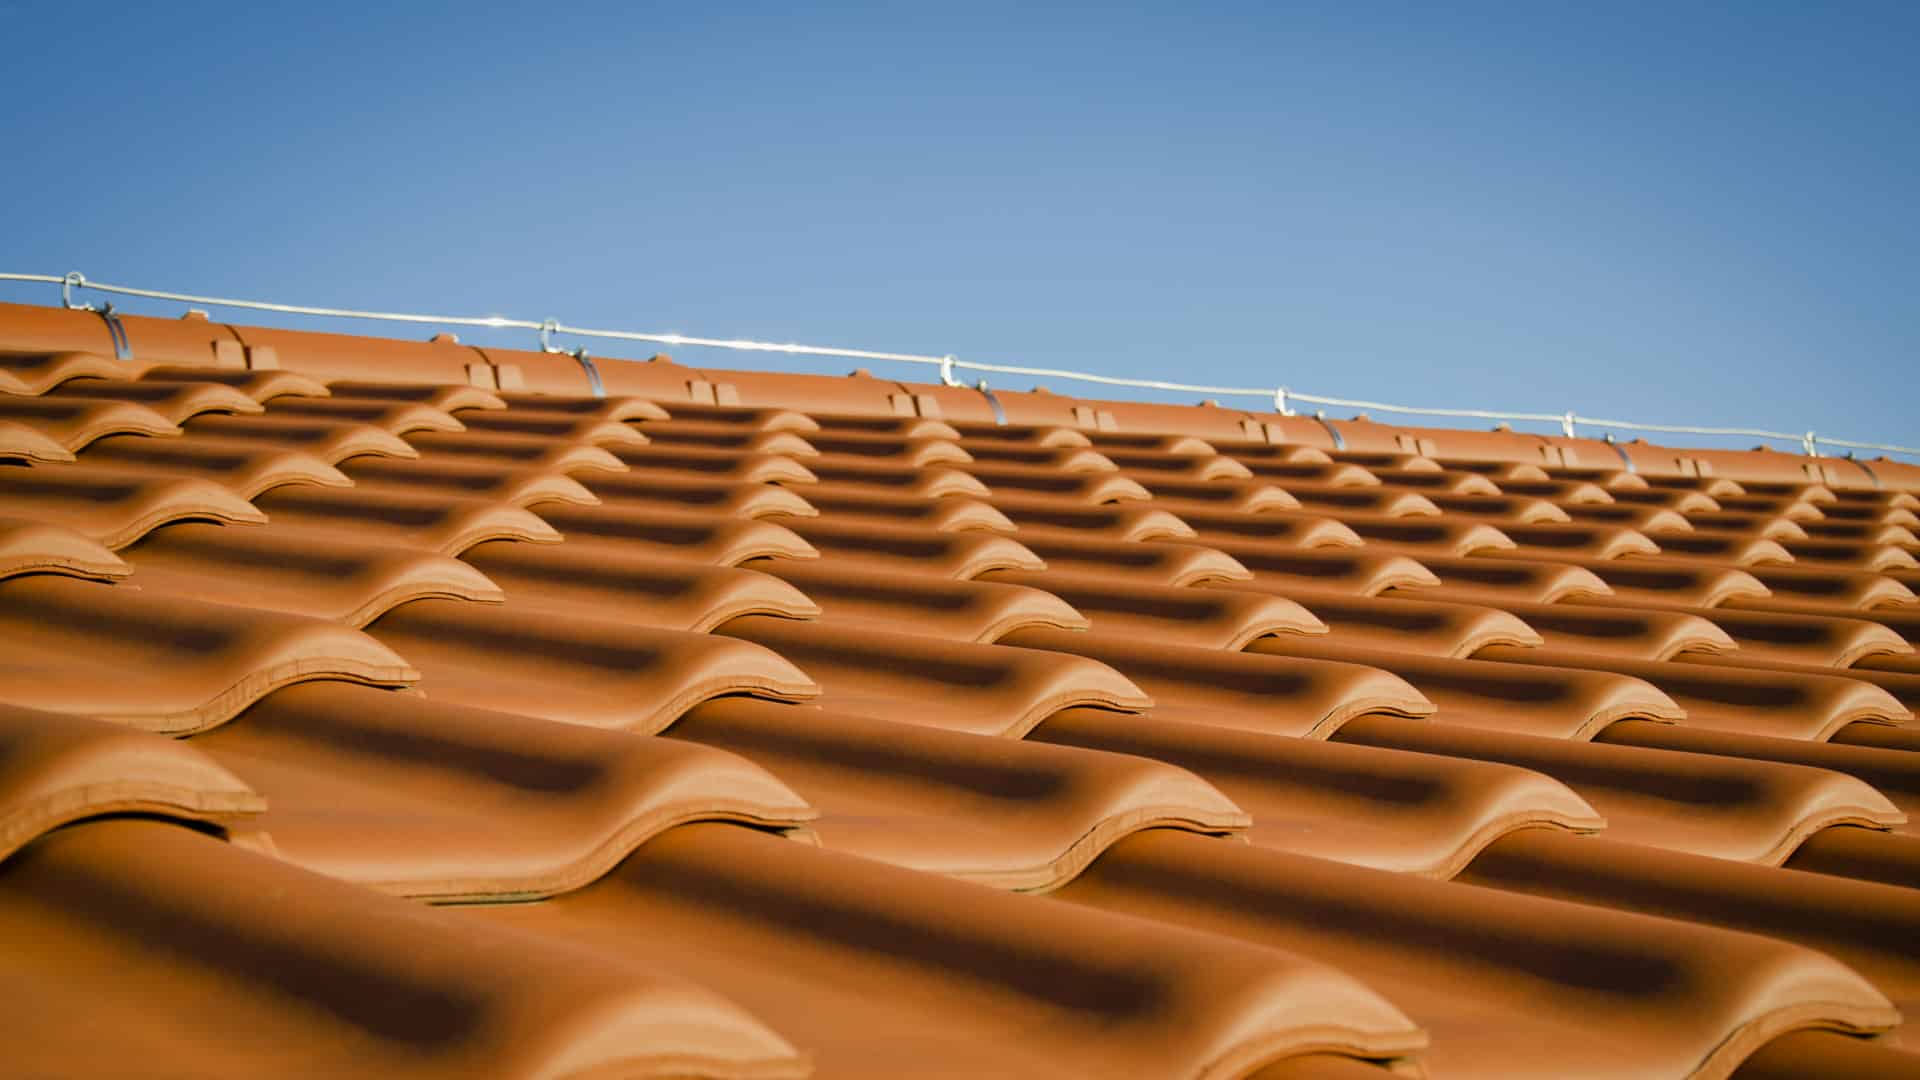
[(72, 423), (949, 513), (511, 451), (1426, 627), (674, 533), (1659, 523), (880, 971), (1501, 510), (177, 401), (1118, 521), (513, 485), (428, 520), (1497, 978), (1277, 528), (1666, 583), (1206, 496), (1142, 464), (1495, 580), (1356, 572), (56, 769), (1207, 618), (1268, 694), (21, 442), (36, 373), (1750, 810), (575, 668), (589, 579), (245, 468), (297, 571), (1150, 562), (330, 441), (1868, 854), (1525, 697), (35, 547), (397, 418), (114, 508), (1827, 1054), (772, 419), (715, 437), (717, 466), (852, 590), (909, 549), (1604, 627), (1328, 474), (166, 663), (1011, 814), (883, 475), (261, 386), (983, 689), (435, 396), (424, 798), (1758, 702), (1868, 926), (153, 944), (1408, 812), (616, 409)]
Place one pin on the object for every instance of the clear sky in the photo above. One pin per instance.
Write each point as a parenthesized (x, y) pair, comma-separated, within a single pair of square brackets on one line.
[(1694, 212)]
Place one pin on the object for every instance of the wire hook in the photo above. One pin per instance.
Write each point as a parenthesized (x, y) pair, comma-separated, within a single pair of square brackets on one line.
[(946, 372), (1280, 402), (547, 329), (73, 280)]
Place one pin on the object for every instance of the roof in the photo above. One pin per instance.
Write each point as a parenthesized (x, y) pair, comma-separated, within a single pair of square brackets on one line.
[(406, 708)]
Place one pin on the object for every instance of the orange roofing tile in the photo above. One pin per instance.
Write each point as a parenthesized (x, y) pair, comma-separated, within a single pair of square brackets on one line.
[(269, 969), (72, 423), (1015, 815), (1117, 521), (1499, 510), (1756, 701), (1514, 691), (949, 513), (1867, 854), (37, 373), (522, 451), (1829, 1054), (964, 554), (676, 533), (1726, 807), (425, 798), (1152, 562), (298, 571), (575, 668), (260, 385), (869, 965), (984, 689), (1205, 496), (115, 508), (1866, 925), (1414, 813), (1491, 579), (1264, 693), (849, 589), (1633, 632), (1209, 618), (1498, 979), (902, 479), (1355, 571), (36, 547), (328, 440), (1434, 629), (242, 467), (1142, 464), (22, 442), (166, 663), (56, 769), (406, 517), (591, 579)]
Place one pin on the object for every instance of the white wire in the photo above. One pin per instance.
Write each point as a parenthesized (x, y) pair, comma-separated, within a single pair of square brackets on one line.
[(946, 363)]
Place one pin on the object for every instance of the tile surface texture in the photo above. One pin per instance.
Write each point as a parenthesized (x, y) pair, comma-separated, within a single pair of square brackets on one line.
[(375, 707)]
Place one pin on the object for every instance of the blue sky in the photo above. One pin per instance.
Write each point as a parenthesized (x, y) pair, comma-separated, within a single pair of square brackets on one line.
[(1697, 213)]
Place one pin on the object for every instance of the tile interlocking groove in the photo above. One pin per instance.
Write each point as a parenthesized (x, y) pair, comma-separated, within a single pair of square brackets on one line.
[(383, 707)]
